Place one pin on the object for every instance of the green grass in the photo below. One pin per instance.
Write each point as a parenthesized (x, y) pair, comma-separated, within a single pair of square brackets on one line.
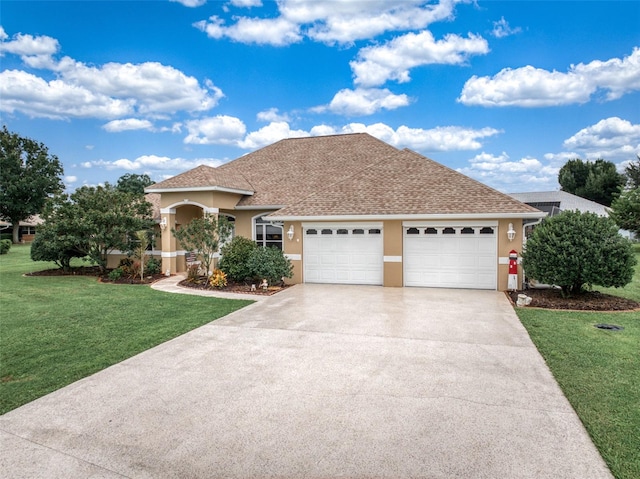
[(56, 330), (599, 372)]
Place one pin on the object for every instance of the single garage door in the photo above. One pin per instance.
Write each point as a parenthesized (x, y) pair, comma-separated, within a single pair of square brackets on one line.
[(451, 257), (343, 254)]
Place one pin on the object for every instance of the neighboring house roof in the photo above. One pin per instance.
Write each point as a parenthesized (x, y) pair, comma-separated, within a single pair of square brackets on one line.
[(406, 184), (554, 202), (347, 175), (34, 220)]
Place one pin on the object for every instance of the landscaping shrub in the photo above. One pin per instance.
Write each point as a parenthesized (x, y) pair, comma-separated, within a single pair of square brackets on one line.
[(193, 273), (573, 250), (235, 259), (126, 265), (154, 266), (115, 274), (5, 246), (218, 279), (270, 264)]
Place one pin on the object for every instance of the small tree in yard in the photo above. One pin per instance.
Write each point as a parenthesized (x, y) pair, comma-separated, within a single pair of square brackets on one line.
[(90, 222), (203, 236), (573, 250), (140, 249)]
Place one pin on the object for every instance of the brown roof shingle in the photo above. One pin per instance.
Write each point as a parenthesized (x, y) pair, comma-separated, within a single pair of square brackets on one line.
[(204, 176), (405, 184)]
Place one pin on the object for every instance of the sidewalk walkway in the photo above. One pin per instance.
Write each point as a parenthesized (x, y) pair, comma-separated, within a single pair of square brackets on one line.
[(170, 285)]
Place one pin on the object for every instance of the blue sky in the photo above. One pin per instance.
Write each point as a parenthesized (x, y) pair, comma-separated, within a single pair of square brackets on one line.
[(505, 92)]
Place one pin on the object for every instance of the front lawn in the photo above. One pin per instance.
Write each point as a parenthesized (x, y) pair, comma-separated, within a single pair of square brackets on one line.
[(599, 372), (56, 330)]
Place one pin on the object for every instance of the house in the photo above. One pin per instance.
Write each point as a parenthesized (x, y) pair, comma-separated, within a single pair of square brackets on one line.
[(27, 228), (351, 209), (555, 202)]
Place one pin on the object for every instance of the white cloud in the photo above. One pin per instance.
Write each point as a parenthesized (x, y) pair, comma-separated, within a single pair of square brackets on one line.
[(272, 114), (86, 164), (535, 87), (154, 162), (393, 60), (446, 138), (612, 139), (190, 3), (70, 179), (28, 45), (261, 31), (127, 124), (329, 22), (220, 130), (29, 94), (269, 134), (363, 101), (109, 91), (502, 29), (500, 172), (246, 3)]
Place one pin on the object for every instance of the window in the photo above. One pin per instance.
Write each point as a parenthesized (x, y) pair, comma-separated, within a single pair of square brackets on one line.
[(486, 231), (312, 232), (327, 232), (431, 231), (448, 231), (374, 231), (267, 233), (342, 232), (358, 232), (413, 231), (467, 231)]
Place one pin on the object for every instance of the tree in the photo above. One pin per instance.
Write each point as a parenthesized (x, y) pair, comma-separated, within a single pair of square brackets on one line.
[(133, 183), (93, 221), (28, 176), (632, 170), (203, 236), (235, 258), (625, 211), (575, 249), (269, 263), (140, 249), (597, 181)]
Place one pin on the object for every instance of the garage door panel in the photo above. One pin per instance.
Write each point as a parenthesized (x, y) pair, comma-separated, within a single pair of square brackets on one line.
[(460, 260), (345, 258)]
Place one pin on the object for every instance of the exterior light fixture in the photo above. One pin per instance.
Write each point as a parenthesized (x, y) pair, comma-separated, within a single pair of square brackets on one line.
[(511, 233), (290, 233), (163, 224)]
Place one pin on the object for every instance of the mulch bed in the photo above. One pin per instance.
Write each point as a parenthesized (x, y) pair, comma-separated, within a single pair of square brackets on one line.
[(232, 287), (584, 301), (95, 271)]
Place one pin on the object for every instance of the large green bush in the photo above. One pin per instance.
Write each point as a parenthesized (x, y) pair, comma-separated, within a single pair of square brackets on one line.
[(5, 246), (574, 250), (235, 258), (270, 264)]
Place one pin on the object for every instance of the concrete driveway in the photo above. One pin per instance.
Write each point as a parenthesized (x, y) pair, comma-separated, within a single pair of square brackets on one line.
[(318, 382)]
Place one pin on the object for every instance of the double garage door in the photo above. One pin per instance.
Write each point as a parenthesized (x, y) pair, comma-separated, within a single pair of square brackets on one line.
[(434, 255)]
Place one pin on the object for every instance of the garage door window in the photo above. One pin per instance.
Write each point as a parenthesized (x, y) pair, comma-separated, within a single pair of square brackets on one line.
[(486, 231)]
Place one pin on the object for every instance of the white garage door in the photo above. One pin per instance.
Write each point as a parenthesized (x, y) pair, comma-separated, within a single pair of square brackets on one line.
[(451, 257), (343, 254)]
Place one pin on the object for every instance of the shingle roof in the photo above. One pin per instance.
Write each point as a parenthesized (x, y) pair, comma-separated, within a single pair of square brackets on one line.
[(154, 199), (406, 183), (204, 176), (292, 169), (567, 201), (354, 174)]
